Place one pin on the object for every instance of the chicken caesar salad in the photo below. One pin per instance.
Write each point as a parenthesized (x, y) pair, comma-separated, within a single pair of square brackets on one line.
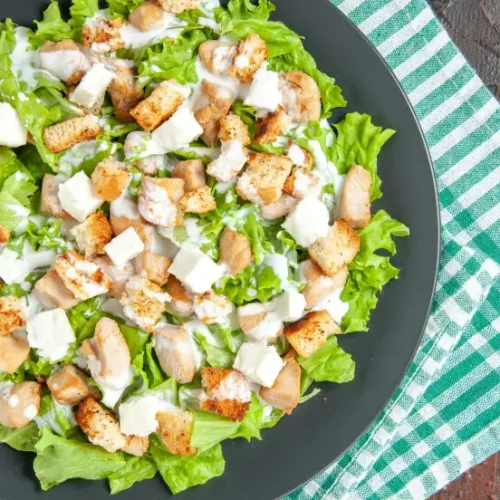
[(184, 237)]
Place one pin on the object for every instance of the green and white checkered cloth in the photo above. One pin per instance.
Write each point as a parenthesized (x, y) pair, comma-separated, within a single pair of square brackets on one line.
[(445, 417)]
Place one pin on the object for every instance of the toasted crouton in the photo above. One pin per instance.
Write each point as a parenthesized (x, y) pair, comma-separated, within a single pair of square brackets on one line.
[(70, 386), (14, 351), (235, 250), (301, 157), (192, 172), (336, 249), (251, 54), (51, 292), (232, 128), (302, 183), (175, 429), (100, 425), (198, 201), (227, 393), (354, 205), (50, 205), (118, 275), (102, 35), (264, 178), (301, 96), (27, 395), (217, 56), (110, 178), (93, 234), (11, 314), (278, 209), (271, 126), (154, 266), (310, 333), (64, 135), (147, 16), (181, 302), (178, 6), (212, 308), (136, 445), (4, 235), (160, 105)]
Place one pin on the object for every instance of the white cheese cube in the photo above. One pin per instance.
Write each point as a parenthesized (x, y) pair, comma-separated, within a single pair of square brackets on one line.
[(195, 270), (13, 133), (259, 363), (178, 131), (126, 246), (290, 306), (79, 197), (92, 86), (264, 93), (12, 269), (308, 222), (63, 63), (138, 415), (50, 333)]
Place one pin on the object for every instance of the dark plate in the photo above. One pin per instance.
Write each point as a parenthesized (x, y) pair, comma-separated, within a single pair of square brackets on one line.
[(318, 432)]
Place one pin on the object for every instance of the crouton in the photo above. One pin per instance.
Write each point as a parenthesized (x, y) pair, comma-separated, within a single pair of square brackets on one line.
[(142, 228), (235, 250), (175, 353), (264, 178), (100, 425), (154, 266), (301, 96), (279, 209), (232, 128), (192, 172), (301, 157), (160, 105), (302, 183), (93, 234), (336, 249), (198, 201), (178, 6), (102, 35), (147, 16), (50, 205), (213, 104), (4, 235), (118, 275), (136, 445), (175, 430), (11, 314), (14, 351), (354, 205), (70, 386), (27, 396), (110, 178), (251, 54), (212, 308), (64, 135), (52, 293), (227, 393), (271, 126), (217, 56), (181, 303), (310, 333)]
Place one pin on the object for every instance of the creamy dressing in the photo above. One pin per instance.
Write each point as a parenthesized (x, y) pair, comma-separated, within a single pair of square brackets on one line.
[(169, 27), (75, 156), (334, 306), (325, 169)]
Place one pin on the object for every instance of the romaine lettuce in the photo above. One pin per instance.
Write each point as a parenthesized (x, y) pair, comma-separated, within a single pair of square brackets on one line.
[(23, 439), (136, 469), (53, 27)]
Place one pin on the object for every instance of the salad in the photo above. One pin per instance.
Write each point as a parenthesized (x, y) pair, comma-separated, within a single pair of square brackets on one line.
[(184, 237)]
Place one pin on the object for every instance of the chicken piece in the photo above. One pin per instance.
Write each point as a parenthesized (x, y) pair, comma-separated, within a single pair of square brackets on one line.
[(181, 303), (14, 351), (143, 302), (230, 162), (20, 406), (285, 392), (64, 135), (80, 276), (310, 333), (178, 6), (301, 96), (118, 275), (110, 179), (279, 209), (354, 205), (263, 180), (192, 172), (147, 16), (232, 128), (52, 293), (70, 386), (271, 126), (11, 314), (213, 104), (175, 353), (227, 393), (318, 284), (302, 183), (160, 105), (301, 157), (235, 250), (212, 308), (102, 35), (336, 249), (100, 425), (198, 201), (251, 54), (158, 200), (93, 234), (217, 56), (150, 164), (4, 235), (50, 206), (142, 228), (64, 60), (260, 321), (175, 430), (154, 266), (136, 445)]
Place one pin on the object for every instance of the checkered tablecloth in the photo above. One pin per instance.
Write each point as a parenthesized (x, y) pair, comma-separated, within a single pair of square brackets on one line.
[(445, 417)]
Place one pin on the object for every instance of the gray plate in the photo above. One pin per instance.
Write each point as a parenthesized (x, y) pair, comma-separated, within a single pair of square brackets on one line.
[(305, 443)]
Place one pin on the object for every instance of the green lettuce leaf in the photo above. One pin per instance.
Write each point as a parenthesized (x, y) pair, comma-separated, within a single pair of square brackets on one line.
[(9, 164), (210, 429), (53, 27), (23, 439), (55, 416), (122, 8), (80, 10), (214, 355), (252, 423), (245, 9), (136, 469)]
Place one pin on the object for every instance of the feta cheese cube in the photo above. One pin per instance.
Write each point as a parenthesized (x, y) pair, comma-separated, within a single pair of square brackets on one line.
[(178, 131), (259, 363), (264, 93), (138, 415), (12, 269), (290, 306), (13, 133), (79, 197), (124, 247), (195, 270), (93, 86), (308, 222), (51, 334)]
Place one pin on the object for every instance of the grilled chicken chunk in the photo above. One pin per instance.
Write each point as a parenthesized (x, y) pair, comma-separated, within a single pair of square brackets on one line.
[(192, 172), (118, 275), (64, 60), (64, 135), (70, 386), (14, 351), (175, 430), (11, 314), (4, 235), (110, 178), (217, 56), (154, 266), (235, 250), (50, 206), (301, 96), (178, 6), (136, 445), (93, 234), (302, 183), (20, 406), (271, 126), (52, 293), (147, 16), (278, 209), (250, 55), (212, 308), (181, 300)]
